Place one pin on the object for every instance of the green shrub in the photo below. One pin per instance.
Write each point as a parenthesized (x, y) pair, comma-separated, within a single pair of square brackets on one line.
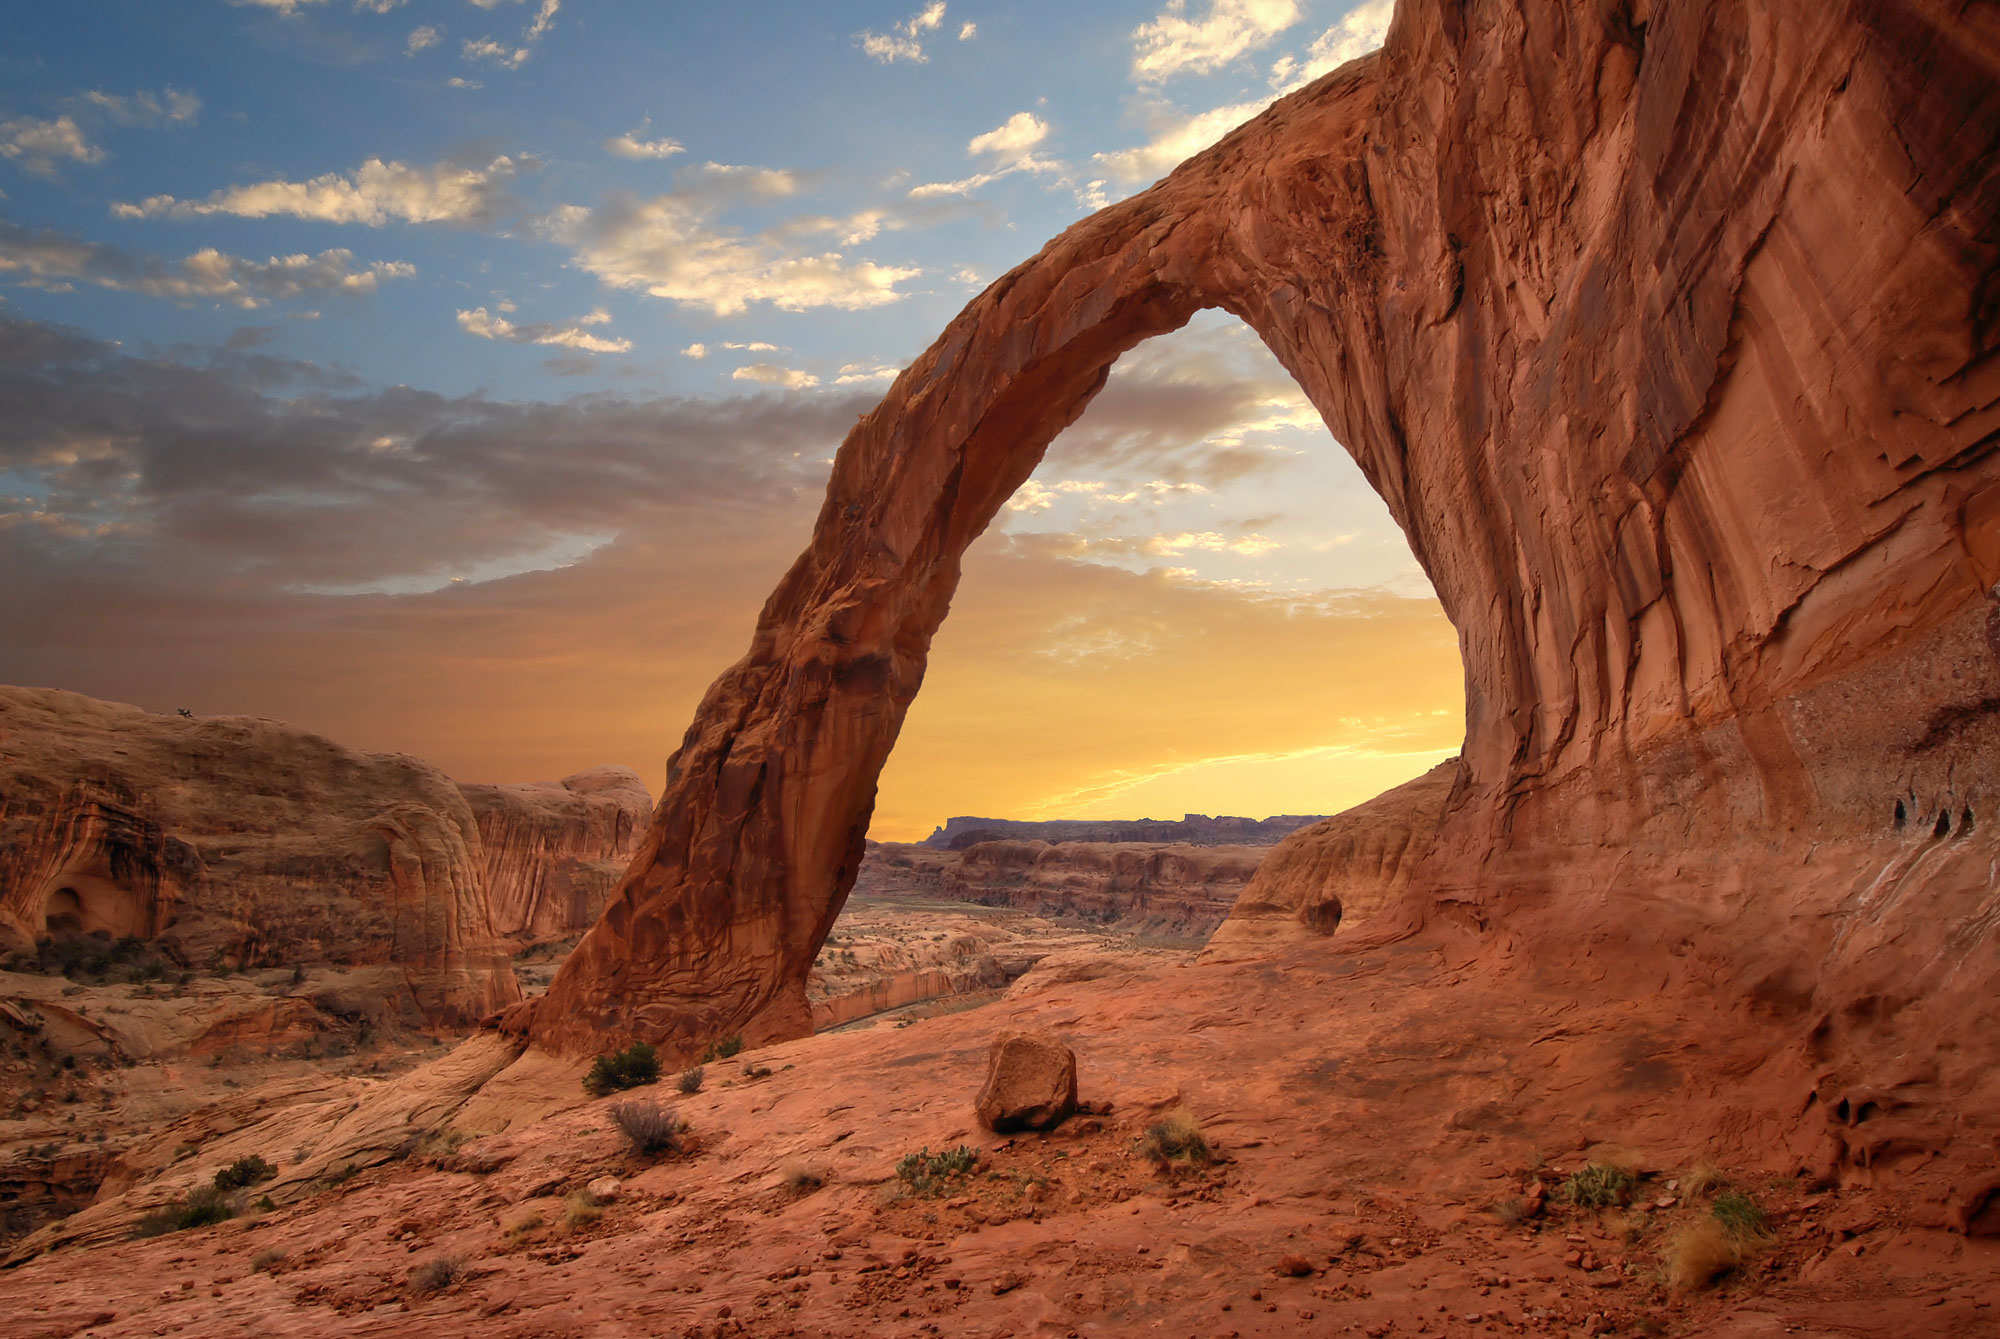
[(199, 1208), (1598, 1186), (637, 1064), (722, 1050), (1739, 1215), (931, 1174), (244, 1172)]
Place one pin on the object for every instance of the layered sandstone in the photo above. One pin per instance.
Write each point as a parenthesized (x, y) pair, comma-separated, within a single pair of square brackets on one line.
[(1666, 332), (1342, 871), (555, 850), (236, 841), (956, 834), (1178, 892)]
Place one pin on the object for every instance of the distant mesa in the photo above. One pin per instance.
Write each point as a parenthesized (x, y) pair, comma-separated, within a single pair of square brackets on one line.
[(1194, 830)]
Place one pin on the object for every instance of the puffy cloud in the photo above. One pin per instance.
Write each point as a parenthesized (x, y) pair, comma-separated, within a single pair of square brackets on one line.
[(479, 322), (1009, 146), (1175, 44), (770, 374), (595, 316), (630, 145), (752, 346), (288, 8), (866, 374), (672, 246), (50, 259), (967, 30), (1360, 31), (695, 351), (170, 106), (377, 6), (1175, 136), (37, 146), (512, 55), (423, 38), (904, 41), (372, 194)]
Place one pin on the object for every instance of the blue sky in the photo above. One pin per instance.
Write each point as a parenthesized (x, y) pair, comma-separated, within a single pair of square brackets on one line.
[(398, 298)]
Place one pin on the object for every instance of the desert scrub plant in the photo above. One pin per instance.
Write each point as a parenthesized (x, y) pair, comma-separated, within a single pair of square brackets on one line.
[(1176, 1140), (636, 1065), (801, 1179), (1739, 1216), (648, 1127), (723, 1049), (198, 1208), (244, 1172), (1598, 1186), (931, 1174), (581, 1209), (1704, 1178), (690, 1083), (1698, 1253), (436, 1274), (266, 1260)]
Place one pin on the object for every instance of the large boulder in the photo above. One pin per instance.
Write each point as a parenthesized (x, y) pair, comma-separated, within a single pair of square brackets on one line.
[(1030, 1083)]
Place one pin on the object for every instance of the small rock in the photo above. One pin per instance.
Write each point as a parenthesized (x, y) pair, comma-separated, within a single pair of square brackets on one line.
[(1006, 1283), (604, 1188)]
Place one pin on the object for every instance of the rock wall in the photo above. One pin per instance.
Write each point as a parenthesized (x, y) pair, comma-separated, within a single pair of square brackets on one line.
[(554, 851), (243, 842), (1340, 872), (1667, 332), (1180, 892)]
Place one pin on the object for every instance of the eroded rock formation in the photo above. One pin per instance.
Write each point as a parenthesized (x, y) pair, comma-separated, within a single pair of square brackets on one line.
[(554, 851), (238, 841), (1182, 892), (1667, 333), (957, 834)]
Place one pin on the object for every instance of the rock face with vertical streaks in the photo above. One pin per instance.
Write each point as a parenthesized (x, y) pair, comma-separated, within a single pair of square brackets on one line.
[(554, 851), (1668, 333)]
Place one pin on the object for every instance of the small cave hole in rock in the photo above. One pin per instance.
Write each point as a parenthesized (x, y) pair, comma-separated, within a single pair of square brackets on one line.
[(1943, 825), (1196, 607), (1965, 820), (1902, 816), (63, 917)]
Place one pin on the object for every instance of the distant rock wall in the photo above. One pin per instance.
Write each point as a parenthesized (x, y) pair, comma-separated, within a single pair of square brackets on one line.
[(1180, 892), (1194, 830), (242, 842), (554, 851)]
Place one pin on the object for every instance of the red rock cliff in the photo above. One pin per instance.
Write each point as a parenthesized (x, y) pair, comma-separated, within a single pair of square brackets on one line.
[(1667, 333), (554, 851)]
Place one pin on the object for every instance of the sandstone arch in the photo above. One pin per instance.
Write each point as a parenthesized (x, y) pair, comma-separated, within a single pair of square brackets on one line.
[(1667, 334)]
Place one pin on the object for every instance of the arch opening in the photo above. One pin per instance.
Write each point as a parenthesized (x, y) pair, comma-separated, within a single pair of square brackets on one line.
[(62, 917)]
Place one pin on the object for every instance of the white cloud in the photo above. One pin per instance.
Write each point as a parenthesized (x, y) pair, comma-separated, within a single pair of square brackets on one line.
[(39, 145), (288, 8), (866, 374), (169, 106), (1010, 147), (904, 41), (373, 194), (421, 38), (1207, 541), (50, 260), (595, 316), (754, 346), (512, 56), (377, 6), (1177, 136), (1175, 44), (695, 351), (967, 31), (770, 374), (480, 322), (1359, 32), (456, 82), (671, 246), (630, 145)]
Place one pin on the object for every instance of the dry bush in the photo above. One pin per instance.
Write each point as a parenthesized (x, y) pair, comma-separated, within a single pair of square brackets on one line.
[(1703, 1179), (801, 1179), (1598, 1186), (436, 1274), (1698, 1254), (581, 1209), (1176, 1138), (691, 1081), (265, 1260), (648, 1127)]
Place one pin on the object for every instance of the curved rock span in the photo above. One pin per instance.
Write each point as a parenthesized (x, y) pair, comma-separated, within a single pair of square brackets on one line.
[(1667, 333)]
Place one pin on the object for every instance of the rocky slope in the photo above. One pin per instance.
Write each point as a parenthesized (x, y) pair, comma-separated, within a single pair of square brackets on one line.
[(239, 842), (1193, 830)]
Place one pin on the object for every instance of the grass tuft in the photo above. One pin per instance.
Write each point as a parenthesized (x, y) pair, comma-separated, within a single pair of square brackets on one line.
[(1598, 1186), (648, 1127), (931, 1174), (436, 1274), (1176, 1139)]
